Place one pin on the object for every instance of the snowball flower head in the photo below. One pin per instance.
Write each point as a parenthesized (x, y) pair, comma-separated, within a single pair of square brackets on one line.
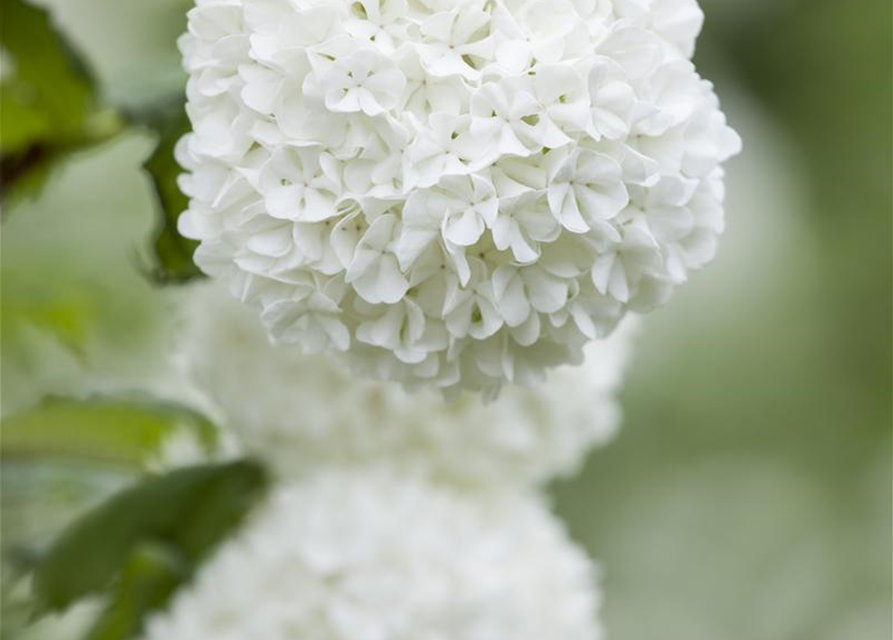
[(301, 413), (370, 556), (451, 192)]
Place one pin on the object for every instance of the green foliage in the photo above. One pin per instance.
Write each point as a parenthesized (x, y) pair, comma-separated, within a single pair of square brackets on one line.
[(137, 547), (145, 541), (173, 252), (106, 430), (51, 109), (76, 309), (63, 314), (148, 579), (47, 97), (49, 92)]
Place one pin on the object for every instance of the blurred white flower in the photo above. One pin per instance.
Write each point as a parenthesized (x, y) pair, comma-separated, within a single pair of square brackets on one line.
[(368, 175), (373, 556), (302, 413)]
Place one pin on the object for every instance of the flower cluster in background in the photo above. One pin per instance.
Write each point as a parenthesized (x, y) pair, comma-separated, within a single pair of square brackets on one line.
[(371, 555), (453, 193), (301, 413), (394, 514)]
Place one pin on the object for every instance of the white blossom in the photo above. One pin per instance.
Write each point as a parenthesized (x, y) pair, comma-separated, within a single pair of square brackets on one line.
[(368, 174), (301, 413), (368, 555)]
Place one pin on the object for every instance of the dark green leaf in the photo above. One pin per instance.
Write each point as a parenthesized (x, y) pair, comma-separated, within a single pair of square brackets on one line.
[(47, 99), (49, 91), (173, 252), (188, 511), (108, 430), (148, 580)]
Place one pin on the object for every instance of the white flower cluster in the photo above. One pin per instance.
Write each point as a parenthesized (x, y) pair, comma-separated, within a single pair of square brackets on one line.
[(374, 556), (454, 192), (301, 413)]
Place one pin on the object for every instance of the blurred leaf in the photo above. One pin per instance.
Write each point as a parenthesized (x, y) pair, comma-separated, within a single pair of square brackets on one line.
[(42, 496), (50, 91), (173, 252), (103, 429), (188, 511), (66, 315), (47, 99), (148, 579)]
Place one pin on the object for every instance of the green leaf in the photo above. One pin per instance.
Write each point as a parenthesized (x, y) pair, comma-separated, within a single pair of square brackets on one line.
[(148, 580), (110, 430), (173, 252), (50, 90), (42, 496), (48, 99), (187, 511), (65, 314)]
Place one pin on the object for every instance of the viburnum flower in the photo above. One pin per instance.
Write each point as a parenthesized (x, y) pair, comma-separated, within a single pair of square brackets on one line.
[(456, 193), (367, 555), (300, 413)]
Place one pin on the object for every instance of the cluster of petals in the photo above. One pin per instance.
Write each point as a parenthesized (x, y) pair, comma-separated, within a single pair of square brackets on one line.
[(367, 555), (304, 413), (456, 193)]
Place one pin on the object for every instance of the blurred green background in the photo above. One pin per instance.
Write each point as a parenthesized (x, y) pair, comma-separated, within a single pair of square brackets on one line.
[(748, 496)]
